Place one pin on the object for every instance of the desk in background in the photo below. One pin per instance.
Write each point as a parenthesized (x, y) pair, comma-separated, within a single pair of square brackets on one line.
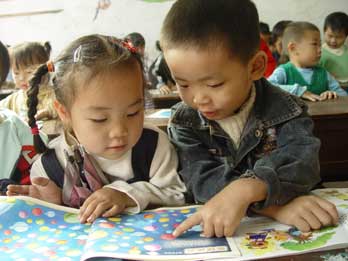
[(52, 128), (331, 127), (162, 101)]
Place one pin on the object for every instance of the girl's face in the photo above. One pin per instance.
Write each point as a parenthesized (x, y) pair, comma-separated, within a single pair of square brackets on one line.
[(22, 75), (213, 82), (107, 115), (307, 51), (334, 39)]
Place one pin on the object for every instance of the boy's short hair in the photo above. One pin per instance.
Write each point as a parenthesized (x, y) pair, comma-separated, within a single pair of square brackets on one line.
[(211, 23), (295, 32), (337, 21), (264, 28)]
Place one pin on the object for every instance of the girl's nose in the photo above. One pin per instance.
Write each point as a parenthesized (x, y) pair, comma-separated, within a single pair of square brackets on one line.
[(119, 130)]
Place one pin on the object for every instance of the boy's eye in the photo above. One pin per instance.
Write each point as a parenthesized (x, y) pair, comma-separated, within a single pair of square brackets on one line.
[(216, 85), (182, 85), (133, 114), (98, 120)]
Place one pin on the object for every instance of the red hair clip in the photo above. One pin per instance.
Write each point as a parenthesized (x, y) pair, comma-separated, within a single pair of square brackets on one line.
[(35, 130), (129, 45), (50, 66)]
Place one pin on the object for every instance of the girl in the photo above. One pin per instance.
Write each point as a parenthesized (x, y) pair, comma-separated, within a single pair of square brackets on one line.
[(25, 59), (301, 75), (105, 162)]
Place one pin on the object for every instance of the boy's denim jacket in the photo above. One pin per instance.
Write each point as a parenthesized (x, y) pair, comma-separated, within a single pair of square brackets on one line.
[(277, 146)]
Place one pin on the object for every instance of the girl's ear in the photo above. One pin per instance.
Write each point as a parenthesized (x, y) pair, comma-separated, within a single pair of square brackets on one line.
[(62, 111), (257, 65)]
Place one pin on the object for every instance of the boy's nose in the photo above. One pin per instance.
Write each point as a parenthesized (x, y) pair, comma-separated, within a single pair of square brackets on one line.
[(200, 98)]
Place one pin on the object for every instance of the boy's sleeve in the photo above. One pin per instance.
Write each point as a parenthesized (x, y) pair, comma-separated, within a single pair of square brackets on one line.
[(292, 169), (335, 86), (278, 78), (164, 188), (203, 175)]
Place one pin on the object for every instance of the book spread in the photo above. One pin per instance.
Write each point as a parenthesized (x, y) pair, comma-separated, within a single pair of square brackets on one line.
[(32, 229)]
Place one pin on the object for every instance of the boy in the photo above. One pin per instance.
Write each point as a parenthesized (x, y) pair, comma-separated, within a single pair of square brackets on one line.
[(242, 143), (334, 56)]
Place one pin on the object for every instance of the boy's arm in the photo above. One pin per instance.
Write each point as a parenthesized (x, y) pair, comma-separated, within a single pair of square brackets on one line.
[(278, 78), (335, 86)]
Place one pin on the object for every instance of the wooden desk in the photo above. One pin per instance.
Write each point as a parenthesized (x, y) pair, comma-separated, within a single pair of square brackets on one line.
[(159, 122), (162, 101), (52, 128), (331, 127), (6, 92), (313, 256)]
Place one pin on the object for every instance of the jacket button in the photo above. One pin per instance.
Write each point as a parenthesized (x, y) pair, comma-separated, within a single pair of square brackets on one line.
[(258, 133)]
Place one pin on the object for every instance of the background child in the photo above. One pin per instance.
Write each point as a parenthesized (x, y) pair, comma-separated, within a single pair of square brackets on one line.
[(302, 76), (242, 143), (277, 36), (334, 57), (265, 33), (106, 161), (159, 74), (25, 58), (17, 151)]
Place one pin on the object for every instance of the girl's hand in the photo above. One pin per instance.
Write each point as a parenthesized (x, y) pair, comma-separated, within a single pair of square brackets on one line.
[(311, 96), (41, 188), (165, 89), (328, 95), (305, 213), (104, 202)]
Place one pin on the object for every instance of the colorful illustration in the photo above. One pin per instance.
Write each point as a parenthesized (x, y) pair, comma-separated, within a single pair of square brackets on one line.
[(45, 233), (39, 232), (341, 194), (268, 240)]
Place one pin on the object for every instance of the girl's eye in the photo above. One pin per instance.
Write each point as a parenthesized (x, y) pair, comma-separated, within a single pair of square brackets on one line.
[(216, 85), (133, 114), (98, 120)]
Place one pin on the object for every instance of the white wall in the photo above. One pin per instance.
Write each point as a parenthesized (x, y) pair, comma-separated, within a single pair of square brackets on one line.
[(125, 16)]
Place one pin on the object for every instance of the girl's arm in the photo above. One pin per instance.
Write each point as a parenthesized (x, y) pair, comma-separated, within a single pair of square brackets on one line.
[(164, 188), (278, 78), (335, 86)]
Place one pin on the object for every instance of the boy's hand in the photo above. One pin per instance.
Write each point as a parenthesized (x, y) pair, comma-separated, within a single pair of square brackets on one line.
[(41, 188), (328, 95), (221, 215), (311, 96), (104, 202), (305, 213)]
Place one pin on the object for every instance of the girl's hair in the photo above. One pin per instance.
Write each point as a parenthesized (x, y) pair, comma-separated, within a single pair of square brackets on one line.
[(30, 53), (84, 59), (337, 21), (204, 24), (4, 63), (136, 39), (294, 32)]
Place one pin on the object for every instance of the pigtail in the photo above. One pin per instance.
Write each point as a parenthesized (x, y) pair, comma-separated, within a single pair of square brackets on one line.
[(32, 103)]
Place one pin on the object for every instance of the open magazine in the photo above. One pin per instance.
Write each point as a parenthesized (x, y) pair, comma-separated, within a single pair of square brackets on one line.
[(31, 229)]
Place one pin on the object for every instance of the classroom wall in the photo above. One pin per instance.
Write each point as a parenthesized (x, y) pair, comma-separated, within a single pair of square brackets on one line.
[(124, 16)]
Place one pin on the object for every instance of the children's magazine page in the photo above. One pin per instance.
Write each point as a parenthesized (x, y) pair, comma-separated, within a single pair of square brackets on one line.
[(32, 229), (259, 238)]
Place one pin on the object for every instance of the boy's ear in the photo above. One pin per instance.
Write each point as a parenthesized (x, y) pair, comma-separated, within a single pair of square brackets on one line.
[(291, 47), (62, 111), (257, 65)]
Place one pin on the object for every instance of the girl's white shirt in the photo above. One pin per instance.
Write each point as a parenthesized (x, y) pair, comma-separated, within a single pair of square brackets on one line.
[(164, 188)]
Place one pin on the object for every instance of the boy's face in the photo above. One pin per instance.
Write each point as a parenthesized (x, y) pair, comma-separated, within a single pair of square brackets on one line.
[(334, 39), (308, 50), (22, 75), (107, 115), (266, 38), (210, 81)]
